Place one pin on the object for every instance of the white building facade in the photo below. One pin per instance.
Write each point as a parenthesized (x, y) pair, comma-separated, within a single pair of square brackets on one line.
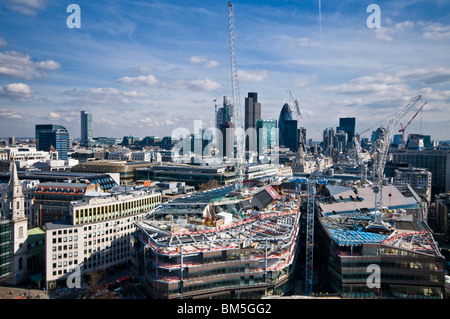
[(99, 235)]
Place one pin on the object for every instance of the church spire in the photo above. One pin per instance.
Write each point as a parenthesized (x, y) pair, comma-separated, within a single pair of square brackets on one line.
[(14, 178), (15, 194)]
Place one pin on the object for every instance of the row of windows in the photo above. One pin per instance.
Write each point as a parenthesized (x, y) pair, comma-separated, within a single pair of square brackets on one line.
[(65, 247), (115, 210), (65, 231), (65, 255), (65, 239)]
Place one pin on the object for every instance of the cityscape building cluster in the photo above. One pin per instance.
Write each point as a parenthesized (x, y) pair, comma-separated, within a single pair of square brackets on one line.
[(167, 209)]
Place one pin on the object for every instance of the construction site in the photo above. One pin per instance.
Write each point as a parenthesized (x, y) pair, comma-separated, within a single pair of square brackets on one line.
[(213, 245), (409, 260), (364, 239)]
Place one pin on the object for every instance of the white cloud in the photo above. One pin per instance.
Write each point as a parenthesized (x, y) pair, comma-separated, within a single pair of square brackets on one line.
[(143, 80), (136, 94), (304, 81), (204, 61), (387, 33), (428, 76), (203, 85), (102, 96), (19, 65), (8, 114), (54, 116), (26, 7), (16, 92), (252, 76), (383, 34), (48, 65), (305, 42), (104, 91), (3, 42), (436, 31)]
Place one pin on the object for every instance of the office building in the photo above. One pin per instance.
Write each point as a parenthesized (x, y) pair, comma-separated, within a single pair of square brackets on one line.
[(416, 177), (251, 116), (328, 140), (287, 128), (408, 258), (225, 140), (267, 138), (50, 136), (192, 175), (86, 128), (347, 124), (125, 171), (415, 142), (441, 218), (437, 162), (97, 235), (225, 113), (52, 200)]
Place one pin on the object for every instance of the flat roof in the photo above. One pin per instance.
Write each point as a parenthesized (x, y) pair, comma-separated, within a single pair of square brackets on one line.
[(392, 198)]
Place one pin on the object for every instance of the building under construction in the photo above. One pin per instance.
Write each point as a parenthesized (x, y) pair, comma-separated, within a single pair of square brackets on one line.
[(219, 244), (407, 258)]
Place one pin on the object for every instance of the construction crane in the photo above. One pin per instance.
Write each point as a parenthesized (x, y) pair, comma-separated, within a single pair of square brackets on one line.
[(310, 209), (301, 152), (238, 125), (403, 129), (380, 155)]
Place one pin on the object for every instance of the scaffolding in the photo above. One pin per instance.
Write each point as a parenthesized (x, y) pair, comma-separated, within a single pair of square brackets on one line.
[(422, 241)]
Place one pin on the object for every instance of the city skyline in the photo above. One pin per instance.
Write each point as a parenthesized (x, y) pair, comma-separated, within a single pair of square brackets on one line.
[(146, 68)]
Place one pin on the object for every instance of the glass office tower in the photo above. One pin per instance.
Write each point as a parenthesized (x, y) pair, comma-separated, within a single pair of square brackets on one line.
[(48, 135), (86, 128)]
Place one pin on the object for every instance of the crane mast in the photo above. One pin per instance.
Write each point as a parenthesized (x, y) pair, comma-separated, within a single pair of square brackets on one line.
[(301, 152), (310, 209), (403, 128), (379, 163), (238, 127)]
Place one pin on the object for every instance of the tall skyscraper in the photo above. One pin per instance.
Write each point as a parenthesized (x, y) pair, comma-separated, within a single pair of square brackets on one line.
[(224, 123), (287, 128), (52, 135), (347, 124), (267, 135), (252, 115), (225, 113), (86, 128)]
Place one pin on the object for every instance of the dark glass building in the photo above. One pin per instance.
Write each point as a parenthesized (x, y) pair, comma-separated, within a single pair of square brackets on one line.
[(347, 124), (288, 133), (86, 128), (252, 115), (48, 135)]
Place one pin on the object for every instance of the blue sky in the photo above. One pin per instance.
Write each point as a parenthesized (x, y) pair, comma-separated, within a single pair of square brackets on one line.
[(148, 67)]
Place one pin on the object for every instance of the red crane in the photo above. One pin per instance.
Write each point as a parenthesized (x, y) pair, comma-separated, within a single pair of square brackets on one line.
[(404, 127)]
